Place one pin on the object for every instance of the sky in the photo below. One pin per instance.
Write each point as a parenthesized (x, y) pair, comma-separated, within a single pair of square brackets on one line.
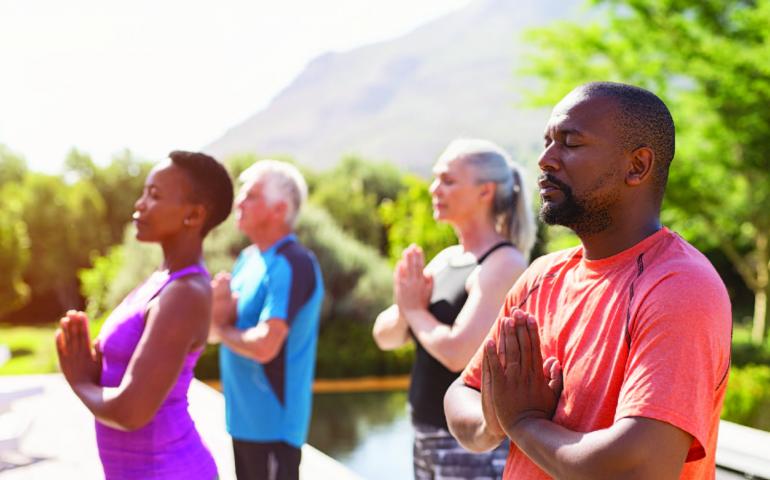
[(158, 75)]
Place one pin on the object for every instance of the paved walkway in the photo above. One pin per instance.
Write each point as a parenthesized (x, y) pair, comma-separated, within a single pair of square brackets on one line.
[(60, 442)]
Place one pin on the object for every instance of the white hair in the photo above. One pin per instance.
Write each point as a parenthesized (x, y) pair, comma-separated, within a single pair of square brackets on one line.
[(282, 182), (510, 209)]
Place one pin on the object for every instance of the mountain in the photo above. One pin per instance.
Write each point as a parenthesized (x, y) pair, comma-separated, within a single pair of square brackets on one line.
[(403, 100)]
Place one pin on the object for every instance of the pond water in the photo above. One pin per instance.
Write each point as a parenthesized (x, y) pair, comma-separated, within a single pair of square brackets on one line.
[(369, 432)]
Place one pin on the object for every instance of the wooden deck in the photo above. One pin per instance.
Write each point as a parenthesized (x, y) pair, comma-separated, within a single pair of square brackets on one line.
[(60, 444)]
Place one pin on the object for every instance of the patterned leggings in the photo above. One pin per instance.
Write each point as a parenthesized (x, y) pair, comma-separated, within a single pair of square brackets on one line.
[(438, 456)]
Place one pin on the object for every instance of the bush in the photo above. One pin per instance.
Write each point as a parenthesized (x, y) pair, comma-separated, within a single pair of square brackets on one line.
[(409, 219), (745, 352), (346, 349), (747, 400)]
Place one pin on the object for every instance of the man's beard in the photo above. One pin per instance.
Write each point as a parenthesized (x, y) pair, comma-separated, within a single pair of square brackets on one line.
[(583, 216)]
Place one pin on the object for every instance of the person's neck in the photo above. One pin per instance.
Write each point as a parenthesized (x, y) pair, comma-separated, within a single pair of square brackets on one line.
[(618, 237), (266, 238), (181, 252), (477, 237)]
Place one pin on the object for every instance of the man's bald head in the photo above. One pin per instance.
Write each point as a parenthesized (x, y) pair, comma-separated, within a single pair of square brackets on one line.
[(643, 120)]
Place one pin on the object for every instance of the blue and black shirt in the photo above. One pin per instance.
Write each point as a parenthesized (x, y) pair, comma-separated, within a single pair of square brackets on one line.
[(272, 402)]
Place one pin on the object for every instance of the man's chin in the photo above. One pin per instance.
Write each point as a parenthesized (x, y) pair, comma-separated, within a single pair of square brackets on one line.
[(549, 214), (557, 214)]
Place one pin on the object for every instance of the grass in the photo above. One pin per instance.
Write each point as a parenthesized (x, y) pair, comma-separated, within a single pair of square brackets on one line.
[(32, 350)]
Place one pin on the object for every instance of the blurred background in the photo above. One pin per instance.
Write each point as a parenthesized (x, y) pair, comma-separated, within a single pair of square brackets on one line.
[(362, 96)]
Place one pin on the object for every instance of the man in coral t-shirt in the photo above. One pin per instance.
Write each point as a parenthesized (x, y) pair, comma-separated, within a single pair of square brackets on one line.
[(634, 324)]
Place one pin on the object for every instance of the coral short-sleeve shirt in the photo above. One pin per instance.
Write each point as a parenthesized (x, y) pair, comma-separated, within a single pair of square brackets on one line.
[(643, 333)]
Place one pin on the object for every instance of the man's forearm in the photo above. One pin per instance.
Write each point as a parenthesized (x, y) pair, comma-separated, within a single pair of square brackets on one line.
[(240, 342), (615, 452), (256, 343)]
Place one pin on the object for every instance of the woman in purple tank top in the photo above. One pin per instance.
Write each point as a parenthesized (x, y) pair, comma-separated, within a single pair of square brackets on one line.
[(135, 376)]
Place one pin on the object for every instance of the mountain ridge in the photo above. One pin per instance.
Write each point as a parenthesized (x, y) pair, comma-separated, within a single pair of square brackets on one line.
[(451, 77)]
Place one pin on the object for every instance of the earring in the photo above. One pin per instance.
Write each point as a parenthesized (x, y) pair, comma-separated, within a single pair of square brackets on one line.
[(186, 222)]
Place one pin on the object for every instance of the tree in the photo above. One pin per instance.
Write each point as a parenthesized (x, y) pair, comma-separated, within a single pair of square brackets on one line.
[(65, 226), (14, 254), (707, 60), (409, 219), (13, 167), (352, 193), (119, 183)]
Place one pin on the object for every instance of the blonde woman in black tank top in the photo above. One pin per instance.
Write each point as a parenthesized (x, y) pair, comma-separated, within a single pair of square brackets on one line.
[(448, 306)]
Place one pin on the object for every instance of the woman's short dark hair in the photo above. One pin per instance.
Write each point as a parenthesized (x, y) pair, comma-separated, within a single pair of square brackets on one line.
[(211, 185)]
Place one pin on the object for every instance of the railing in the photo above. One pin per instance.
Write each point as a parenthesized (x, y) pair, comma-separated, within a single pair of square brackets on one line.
[(744, 450)]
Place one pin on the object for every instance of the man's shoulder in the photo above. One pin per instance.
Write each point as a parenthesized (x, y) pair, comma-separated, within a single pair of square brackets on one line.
[(674, 265), (298, 263), (294, 251), (674, 255)]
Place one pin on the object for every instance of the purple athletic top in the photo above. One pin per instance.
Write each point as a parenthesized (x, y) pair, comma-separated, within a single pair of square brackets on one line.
[(168, 447)]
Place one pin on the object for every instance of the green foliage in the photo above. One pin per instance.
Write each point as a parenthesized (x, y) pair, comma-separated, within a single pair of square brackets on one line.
[(120, 184), (715, 81), (64, 226), (14, 254), (409, 219), (95, 281), (560, 238), (139, 260), (353, 191), (357, 280), (222, 246), (32, 350), (747, 400), (347, 349), (745, 352), (13, 167)]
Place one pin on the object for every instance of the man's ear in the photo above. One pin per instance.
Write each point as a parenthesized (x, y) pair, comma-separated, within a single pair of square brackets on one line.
[(640, 167), (279, 209)]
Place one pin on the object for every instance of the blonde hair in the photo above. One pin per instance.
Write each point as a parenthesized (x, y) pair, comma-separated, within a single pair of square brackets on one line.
[(283, 182), (511, 209)]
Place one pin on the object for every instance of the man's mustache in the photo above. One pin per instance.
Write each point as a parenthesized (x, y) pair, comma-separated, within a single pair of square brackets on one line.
[(548, 178)]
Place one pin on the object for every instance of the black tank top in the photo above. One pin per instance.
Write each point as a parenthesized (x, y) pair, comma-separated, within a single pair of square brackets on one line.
[(430, 379)]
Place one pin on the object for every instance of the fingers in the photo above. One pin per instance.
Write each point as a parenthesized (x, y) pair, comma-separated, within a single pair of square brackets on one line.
[(553, 372), (534, 340), (512, 350), (486, 374), (79, 341), (61, 344), (415, 267), (64, 327), (525, 346), (75, 337), (414, 260), (97, 354), (495, 370), (221, 283), (221, 277), (501, 341)]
